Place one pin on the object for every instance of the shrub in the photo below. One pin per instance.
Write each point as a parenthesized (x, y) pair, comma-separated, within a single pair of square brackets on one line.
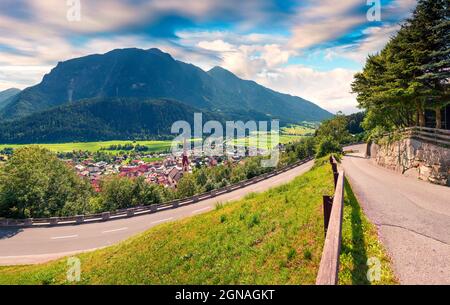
[(327, 145), (35, 183)]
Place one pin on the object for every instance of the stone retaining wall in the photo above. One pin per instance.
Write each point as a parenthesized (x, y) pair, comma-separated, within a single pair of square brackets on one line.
[(428, 161)]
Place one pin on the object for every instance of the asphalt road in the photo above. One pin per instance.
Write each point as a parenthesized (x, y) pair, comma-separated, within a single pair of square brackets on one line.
[(37, 245), (413, 218)]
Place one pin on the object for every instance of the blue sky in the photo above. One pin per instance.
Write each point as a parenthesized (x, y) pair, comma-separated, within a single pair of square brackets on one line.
[(308, 48)]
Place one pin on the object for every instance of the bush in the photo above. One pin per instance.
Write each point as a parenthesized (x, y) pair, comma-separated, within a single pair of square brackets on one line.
[(117, 193), (327, 145), (122, 192)]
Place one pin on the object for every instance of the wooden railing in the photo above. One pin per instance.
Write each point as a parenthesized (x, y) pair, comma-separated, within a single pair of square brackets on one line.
[(329, 263), (439, 137), (140, 210)]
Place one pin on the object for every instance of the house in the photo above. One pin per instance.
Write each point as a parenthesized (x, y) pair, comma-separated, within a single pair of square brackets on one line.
[(174, 176), (80, 168), (101, 164), (93, 169)]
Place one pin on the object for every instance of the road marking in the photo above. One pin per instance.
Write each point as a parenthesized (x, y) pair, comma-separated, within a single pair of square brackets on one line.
[(201, 210), (162, 220), (115, 230), (64, 237)]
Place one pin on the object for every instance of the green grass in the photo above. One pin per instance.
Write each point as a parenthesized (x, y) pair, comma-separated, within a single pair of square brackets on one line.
[(297, 130), (275, 237), (94, 146)]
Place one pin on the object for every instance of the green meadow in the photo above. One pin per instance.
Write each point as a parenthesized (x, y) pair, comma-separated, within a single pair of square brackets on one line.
[(94, 146), (292, 133)]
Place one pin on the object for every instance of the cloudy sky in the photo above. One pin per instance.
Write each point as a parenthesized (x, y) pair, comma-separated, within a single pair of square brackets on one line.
[(309, 48)]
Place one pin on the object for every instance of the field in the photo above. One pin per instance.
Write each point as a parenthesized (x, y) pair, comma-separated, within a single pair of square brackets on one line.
[(298, 130), (94, 146), (288, 134), (274, 237)]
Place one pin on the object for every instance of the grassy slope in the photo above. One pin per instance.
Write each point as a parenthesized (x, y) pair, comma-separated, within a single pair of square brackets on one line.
[(271, 238)]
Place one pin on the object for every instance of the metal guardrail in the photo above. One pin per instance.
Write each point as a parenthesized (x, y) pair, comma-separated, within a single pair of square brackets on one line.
[(140, 210), (333, 208)]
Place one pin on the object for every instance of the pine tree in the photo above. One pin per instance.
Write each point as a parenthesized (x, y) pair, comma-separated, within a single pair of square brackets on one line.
[(430, 28), (411, 73)]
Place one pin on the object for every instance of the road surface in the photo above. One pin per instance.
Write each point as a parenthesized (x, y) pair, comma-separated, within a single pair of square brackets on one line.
[(413, 218), (37, 245)]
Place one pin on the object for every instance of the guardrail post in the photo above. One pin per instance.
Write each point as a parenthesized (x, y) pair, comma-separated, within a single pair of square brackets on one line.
[(335, 171), (54, 220), (195, 199), (106, 215), (130, 212), (175, 204), (327, 205), (79, 218), (213, 193), (153, 208), (28, 222)]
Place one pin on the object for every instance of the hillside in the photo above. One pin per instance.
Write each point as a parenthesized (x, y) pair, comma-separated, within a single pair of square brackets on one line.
[(100, 119), (274, 237), (6, 96), (155, 74)]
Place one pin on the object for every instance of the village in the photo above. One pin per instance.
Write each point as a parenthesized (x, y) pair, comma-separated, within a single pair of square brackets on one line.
[(165, 169)]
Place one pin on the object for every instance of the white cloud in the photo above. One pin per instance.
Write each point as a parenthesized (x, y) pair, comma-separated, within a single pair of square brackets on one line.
[(328, 89), (324, 20), (267, 64), (374, 41), (21, 76), (217, 45)]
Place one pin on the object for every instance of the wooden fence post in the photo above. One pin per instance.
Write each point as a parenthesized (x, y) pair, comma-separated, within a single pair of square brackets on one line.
[(327, 205)]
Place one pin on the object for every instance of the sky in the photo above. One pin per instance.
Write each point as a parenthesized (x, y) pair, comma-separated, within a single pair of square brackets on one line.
[(307, 48)]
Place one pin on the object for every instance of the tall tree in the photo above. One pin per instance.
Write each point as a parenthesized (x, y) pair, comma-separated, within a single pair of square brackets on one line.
[(410, 74), (430, 28)]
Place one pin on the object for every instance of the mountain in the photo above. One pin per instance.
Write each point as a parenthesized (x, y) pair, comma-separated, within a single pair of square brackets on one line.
[(101, 119), (154, 74), (7, 96)]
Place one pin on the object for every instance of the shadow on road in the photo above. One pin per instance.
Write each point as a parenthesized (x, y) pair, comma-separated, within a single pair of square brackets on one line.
[(357, 250), (8, 233)]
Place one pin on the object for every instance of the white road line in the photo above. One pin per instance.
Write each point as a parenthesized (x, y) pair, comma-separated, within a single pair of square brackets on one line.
[(201, 210), (162, 220), (115, 230), (64, 237)]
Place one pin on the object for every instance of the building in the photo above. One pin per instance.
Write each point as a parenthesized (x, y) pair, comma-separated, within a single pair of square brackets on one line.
[(174, 175)]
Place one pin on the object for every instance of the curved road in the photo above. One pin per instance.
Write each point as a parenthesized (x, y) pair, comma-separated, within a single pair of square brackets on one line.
[(37, 245), (413, 218)]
